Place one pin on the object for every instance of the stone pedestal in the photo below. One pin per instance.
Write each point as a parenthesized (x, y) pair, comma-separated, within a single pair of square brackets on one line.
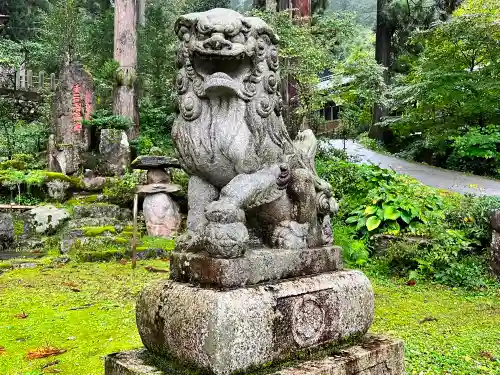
[(373, 355), (232, 315)]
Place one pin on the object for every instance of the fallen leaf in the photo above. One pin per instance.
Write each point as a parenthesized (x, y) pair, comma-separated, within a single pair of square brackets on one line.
[(50, 364), (82, 307), (428, 319), (51, 371), (22, 315), (152, 269), (2, 350), (488, 355), (43, 352), (70, 284)]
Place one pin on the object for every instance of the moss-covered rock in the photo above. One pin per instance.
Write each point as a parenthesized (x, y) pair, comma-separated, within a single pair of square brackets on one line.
[(98, 231), (75, 181)]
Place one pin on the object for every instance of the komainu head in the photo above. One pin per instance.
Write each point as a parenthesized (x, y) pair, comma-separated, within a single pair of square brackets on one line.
[(225, 53)]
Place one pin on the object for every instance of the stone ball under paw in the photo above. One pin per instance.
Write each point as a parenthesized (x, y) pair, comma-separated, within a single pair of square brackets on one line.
[(226, 240)]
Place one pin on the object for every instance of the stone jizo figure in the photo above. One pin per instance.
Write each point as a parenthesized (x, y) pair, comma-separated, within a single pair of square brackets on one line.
[(249, 180)]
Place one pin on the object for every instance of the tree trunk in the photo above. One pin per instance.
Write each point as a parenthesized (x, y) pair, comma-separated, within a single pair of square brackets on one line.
[(382, 56), (125, 52)]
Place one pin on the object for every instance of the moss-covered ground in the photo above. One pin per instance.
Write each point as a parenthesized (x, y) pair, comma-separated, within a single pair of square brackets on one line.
[(88, 310)]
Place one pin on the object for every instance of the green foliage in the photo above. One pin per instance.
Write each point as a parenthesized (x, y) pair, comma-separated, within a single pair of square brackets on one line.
[(122, 189), (103, 120), (395, 204), (98, 231), (150, 242), (450, 96), (373, 200), (354, 251)]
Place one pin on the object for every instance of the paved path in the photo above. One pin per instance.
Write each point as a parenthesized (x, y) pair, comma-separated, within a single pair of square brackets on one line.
[(432, 176)]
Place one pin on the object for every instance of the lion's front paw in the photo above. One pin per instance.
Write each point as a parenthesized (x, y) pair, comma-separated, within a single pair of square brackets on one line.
[(224, 212), (226, 240), (188, 242)]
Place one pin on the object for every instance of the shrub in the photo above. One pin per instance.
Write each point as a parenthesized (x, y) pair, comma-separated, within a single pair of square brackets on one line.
[(122, 189), (101, 119)]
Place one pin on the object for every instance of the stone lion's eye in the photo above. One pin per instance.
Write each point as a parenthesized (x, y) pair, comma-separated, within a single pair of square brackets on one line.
[(204, 27), (239, 38)]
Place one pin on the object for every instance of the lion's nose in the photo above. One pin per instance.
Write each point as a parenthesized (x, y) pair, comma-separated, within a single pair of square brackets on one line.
[(217, 42)]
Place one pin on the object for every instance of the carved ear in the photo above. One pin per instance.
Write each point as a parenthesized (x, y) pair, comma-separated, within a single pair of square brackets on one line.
[(258, 27), (184, 24)]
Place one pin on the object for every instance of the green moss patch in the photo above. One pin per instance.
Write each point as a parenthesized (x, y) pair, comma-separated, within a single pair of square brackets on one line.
[(149, 242), (75, 181), (83, 199), (100, 319), (98, 231)]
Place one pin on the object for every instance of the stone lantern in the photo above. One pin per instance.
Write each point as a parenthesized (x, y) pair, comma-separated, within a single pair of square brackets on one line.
[(161, 212)]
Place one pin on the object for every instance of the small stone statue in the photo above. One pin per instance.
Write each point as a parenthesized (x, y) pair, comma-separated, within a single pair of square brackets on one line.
[(249, 182)]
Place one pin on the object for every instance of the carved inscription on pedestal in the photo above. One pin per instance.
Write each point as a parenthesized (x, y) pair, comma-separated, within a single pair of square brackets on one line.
[(304, 320), (308, 320)]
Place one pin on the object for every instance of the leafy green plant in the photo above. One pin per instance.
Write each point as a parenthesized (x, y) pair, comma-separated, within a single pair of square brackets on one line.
[(122, 189), (103, 120), (468, 273), (394, 204), (354, 251)]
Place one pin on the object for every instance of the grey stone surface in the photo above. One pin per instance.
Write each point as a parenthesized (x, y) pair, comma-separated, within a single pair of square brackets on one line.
[(73, 102), (154, 162), (374, 355), (47, 219), (155, 176), (6, 231), (232, 140), (114, 151), (101, 210), (158, 188), (162, 215), (256, 266), (226, 331), (58, 190), (94, 183)]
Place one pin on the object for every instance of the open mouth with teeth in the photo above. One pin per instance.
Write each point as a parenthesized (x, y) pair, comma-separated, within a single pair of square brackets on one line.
[(223, 71)]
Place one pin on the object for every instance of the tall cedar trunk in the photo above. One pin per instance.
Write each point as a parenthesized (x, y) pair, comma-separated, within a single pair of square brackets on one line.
[(382, 56), (125, 52)]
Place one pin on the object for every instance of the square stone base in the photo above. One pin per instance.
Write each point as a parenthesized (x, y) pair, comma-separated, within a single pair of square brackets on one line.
[(225, 331), (374, 355), (256, 266)]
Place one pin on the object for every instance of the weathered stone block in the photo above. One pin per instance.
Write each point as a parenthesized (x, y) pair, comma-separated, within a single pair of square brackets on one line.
[(115, 152), (227, 331), (47, 219), (154, 162), (374, 355), (6, 231), (256, 266)]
